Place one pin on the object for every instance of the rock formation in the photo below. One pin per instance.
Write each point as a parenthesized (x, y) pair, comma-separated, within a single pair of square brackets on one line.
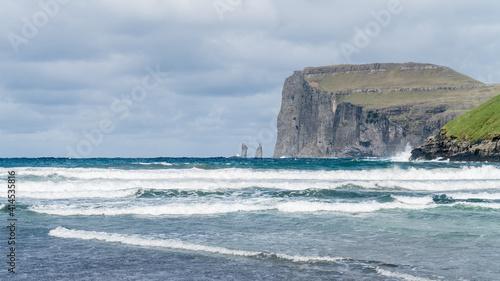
[(474, 136), (442, 147), (258, 152), (244, 149), (370, 110)]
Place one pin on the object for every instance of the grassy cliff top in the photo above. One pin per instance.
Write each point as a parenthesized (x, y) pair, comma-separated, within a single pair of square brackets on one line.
[(385, 76), (460, 99), (396, 84), (482, 122)]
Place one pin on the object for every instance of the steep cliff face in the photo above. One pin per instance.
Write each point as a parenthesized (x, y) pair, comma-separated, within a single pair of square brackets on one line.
[(322, 115), (312, 124), (305, 120)]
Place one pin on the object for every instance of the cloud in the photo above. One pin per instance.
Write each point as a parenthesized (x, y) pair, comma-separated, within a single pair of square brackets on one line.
[(221, 77)]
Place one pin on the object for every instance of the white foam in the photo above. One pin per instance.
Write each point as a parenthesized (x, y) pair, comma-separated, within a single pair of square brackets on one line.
[(108, 183), (122, 189), (364, 207), (189, 208), (403, 156), (402, 276), (464, 173), (71, 190), (479, 195), (154, 163), (414, 200), (148, 210), (196, 209), (139, 240)]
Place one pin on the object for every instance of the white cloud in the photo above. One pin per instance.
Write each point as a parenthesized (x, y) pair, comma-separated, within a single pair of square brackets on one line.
[(221, 79)]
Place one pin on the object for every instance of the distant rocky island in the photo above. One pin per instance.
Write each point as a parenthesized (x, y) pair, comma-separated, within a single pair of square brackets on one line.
[(474, 136), (244, 150), (371, 110)]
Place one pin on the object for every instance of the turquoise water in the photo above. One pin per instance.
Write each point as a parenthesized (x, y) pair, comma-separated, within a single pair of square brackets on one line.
[(253, 219)]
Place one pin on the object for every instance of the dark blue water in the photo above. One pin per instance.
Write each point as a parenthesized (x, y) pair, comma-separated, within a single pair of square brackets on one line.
[(252, 219)]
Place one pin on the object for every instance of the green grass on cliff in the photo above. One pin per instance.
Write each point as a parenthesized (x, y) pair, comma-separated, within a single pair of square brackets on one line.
[(482, 122), (394, 78), (462, 99), (414, 103)]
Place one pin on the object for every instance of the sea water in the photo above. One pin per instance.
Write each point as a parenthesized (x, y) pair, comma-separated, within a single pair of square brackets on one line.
[(251, 219)]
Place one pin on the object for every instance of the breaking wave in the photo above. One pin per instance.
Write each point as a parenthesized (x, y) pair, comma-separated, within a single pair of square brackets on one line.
[(139, 240), (144, 241), (60, 183)]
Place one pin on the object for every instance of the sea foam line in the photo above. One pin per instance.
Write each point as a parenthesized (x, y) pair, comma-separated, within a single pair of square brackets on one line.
[(403, 276), (154, 163), (65, 183), (130, 188), (213, 208), (138, 240), (479, 195), (193, 208), (386, 174)]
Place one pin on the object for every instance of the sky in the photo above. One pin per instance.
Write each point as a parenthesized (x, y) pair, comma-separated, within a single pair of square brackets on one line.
[(174, 78)]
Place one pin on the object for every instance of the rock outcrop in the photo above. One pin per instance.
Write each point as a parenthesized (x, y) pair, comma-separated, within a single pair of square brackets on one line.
[(474, 136), (322, 115), (258, 152), (244, 149), (442, 147)]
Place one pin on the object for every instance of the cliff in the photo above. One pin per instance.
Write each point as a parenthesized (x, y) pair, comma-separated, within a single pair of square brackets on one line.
[(474, 136), (370, 110)]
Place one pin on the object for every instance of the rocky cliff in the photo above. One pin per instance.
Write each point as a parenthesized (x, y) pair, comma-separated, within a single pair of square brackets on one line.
[(474, 136), (370, 110), (442, 147)]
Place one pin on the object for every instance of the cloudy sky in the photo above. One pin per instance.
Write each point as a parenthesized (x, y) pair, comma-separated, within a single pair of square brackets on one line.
[(118, 78)]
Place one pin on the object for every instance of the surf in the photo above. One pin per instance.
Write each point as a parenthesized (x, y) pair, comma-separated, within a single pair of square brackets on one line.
[(140, 240)]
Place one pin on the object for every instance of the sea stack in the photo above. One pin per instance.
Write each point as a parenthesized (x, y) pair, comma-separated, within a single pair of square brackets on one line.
[(258, 152), (244, 149)]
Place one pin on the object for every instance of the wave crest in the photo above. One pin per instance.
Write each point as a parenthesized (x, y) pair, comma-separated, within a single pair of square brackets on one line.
[(60, 183), (138, 240)]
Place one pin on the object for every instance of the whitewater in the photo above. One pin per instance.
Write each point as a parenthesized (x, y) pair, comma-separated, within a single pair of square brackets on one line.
[(254, 219)]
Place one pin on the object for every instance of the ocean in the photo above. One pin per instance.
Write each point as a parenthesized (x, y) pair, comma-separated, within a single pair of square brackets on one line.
[(249, 219)]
